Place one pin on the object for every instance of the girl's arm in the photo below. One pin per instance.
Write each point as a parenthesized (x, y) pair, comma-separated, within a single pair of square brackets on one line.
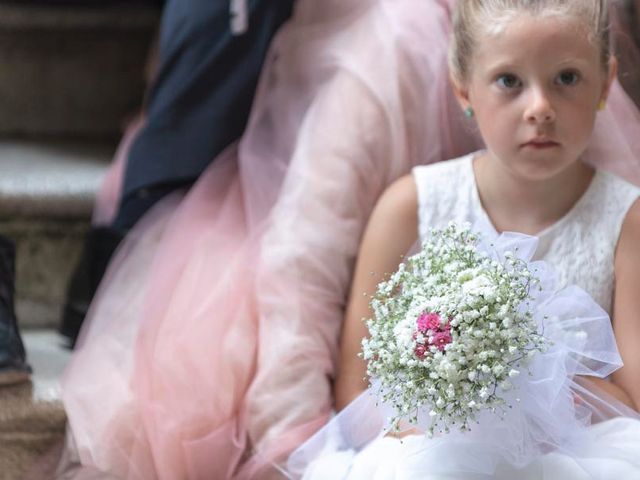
[(626, 310), (391, 232)]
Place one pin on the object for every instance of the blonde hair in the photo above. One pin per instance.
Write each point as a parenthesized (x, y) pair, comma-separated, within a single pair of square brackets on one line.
[(474, 18)]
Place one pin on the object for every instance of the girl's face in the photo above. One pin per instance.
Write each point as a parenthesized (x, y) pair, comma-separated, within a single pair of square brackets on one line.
[(535, 90)]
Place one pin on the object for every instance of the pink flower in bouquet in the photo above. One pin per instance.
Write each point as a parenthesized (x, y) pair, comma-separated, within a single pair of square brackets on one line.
[(428, 321), (420, 350), (439, 335), (442, 339)]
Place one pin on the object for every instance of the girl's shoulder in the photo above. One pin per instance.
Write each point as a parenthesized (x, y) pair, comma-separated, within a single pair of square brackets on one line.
[(612, 195), (446, 191), (400, 199), (616, 185), (454, 168), (620, 199), (395, 216), (444, 180)]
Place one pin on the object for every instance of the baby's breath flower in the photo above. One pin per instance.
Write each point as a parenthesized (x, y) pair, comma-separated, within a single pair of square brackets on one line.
[(449, 329)]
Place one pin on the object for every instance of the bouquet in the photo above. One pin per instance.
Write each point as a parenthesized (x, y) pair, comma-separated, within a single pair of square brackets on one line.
[(451, 330)]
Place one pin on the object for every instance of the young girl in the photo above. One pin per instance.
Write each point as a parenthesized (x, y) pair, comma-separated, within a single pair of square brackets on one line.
[(534, 75)]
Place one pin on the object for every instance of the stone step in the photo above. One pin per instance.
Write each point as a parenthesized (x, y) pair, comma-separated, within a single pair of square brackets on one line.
[(47, 192), (72, 71), (32, 418)]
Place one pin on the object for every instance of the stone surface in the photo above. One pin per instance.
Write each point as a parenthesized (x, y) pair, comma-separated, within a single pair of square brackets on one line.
[(50, 179), (47, 191), (32, 418), (47, 252), (72, 71), (123, 15)]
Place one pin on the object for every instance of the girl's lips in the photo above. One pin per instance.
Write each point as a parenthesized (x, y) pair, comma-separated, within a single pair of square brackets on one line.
[(538, 144)]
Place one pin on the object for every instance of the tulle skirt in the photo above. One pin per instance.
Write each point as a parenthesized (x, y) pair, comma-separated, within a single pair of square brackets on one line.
[(211, 344), (394, 459)]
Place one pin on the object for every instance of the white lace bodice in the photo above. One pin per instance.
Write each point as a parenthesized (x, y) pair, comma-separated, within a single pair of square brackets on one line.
[(580, 246)]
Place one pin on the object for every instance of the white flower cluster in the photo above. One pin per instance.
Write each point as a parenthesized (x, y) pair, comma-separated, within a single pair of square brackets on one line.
[(451, 330)]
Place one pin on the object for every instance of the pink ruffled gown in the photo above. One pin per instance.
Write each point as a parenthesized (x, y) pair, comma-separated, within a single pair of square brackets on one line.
[(211, 345)]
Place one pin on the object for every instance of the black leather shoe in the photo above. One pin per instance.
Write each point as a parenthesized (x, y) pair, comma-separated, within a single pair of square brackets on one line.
[(99, 247), (13, 358)]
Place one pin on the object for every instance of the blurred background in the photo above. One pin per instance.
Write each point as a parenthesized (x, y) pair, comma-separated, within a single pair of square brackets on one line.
[(72, 74)]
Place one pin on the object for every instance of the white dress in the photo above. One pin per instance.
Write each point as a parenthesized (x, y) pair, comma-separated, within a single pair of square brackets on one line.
[(580, 248)]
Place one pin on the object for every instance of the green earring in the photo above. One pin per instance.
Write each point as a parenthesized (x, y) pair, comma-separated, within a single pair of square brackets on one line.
[(468, 112)]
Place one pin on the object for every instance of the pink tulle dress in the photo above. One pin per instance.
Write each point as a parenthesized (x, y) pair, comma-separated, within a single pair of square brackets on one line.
[(211, 344)]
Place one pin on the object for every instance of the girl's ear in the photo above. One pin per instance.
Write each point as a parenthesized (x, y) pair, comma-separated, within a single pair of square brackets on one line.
[(461, 92), (611, 76)]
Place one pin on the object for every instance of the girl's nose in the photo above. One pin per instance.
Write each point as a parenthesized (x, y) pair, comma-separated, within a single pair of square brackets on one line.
[(539, 108)]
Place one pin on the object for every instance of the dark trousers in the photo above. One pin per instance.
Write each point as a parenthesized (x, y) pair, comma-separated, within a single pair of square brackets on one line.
[(13, 364), (200, 100)]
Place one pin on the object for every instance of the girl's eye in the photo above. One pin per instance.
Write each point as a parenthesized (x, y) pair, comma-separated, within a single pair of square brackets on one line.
[(508, 81), (568, 78)]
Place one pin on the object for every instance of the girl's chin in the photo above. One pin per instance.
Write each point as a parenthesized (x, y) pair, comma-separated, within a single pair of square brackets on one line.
[(534, 164), (538, 172)]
